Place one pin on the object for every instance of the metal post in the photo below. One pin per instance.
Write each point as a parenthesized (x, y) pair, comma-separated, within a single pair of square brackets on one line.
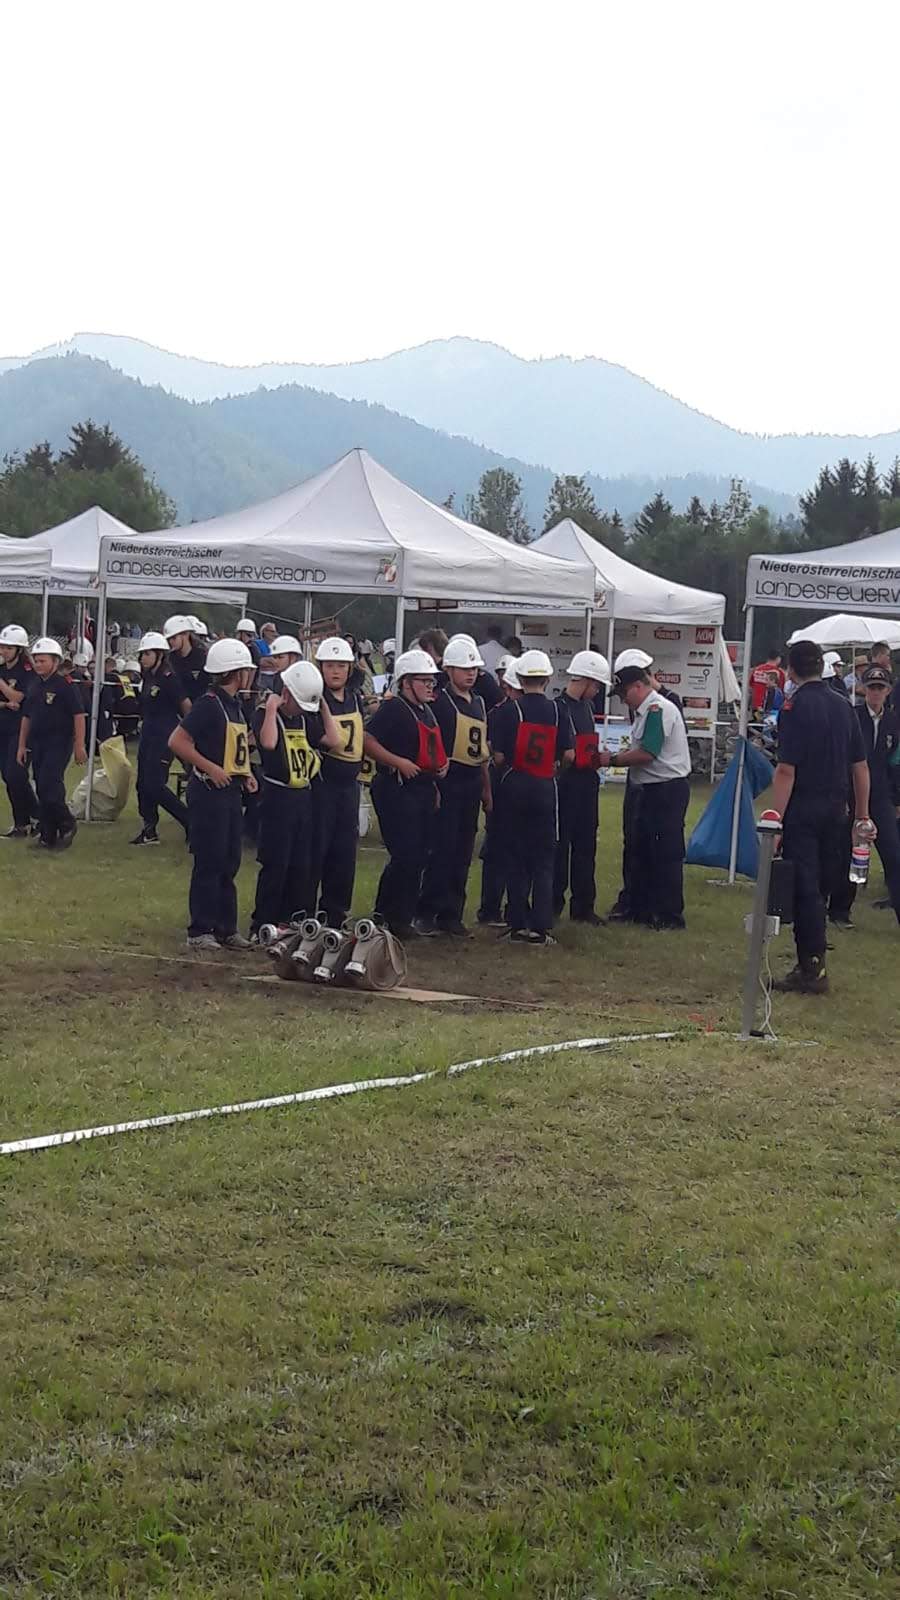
[(45, 610), (588, 618), (398, 626), (768, 834), (307, 625), (610, 646), (99, 668), (742, 729)]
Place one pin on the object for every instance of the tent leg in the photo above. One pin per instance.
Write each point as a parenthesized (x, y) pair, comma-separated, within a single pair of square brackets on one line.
[(307, 626), (610, 646), (45, 611), (588, 618), (742, 729), (398, 626), (99, 669)]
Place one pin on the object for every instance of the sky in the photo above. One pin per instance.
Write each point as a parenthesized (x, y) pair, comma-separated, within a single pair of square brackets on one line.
[(705, 193)]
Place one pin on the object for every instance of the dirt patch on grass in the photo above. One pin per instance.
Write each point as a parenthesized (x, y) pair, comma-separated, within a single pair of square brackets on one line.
[(435, 1309)]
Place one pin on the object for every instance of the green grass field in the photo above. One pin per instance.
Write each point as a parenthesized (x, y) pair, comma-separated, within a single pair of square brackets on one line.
[(619, 1325)]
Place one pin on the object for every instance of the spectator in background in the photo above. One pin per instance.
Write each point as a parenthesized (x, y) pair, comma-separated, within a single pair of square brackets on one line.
[(774, 697), (759, 679), (267, 633), (493, 648), (833, 672), (514, 646)]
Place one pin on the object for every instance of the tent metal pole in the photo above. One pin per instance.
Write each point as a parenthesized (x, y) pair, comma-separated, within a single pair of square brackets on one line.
[(742, 730), (610, 646), (307, 626), (588, 618), (398, 626), (99, 669), (45, 610)]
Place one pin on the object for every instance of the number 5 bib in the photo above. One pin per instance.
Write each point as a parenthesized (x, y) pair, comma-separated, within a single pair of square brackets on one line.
[(534, 751)]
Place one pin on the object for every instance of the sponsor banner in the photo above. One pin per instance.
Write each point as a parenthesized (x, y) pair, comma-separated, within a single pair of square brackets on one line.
[(786, 581), (684, 657), (180, 564)]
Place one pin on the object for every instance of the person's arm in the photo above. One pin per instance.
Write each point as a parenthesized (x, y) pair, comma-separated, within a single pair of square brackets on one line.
[(24, 730), (782, 786), (79, 723), (182, 745), (331, 739), (862, 783), (386, 758), (487, 794), (10, 693), (640, 755), (267, 737)]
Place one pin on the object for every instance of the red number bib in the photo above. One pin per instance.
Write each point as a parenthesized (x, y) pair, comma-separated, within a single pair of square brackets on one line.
[(431, 754), (535, 749), (587, 746)]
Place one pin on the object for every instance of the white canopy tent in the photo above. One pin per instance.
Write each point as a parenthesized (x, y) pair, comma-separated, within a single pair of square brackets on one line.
[(842, 628), (627, 591), (23, 564), (864, 573), (352, 529)]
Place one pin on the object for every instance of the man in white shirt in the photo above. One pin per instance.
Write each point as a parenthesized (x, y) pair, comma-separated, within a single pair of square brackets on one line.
[(492, 651), (660, 764)]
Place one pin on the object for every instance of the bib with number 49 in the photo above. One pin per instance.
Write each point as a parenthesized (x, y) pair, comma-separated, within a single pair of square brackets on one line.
[(303, 762)]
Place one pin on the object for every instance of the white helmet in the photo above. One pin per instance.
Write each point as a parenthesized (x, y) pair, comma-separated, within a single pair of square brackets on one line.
[(199, 628), (589, 664), (47, 647), (303, 681), (511, 676), (389, 648), (85, 648), (228, 655), (132, 666), (414, 662), (152, 641), (175, 625), (462, 652), (534, 664), (830, 660), (246, 625), (286, 645), (633, 658), (503, 663), (81, 659), (334, 649), (14, 636)]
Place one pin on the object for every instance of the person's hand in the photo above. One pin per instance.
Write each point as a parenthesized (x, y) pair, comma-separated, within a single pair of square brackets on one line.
[(442, 771), (407, 769), (864, 830), (251, 785), (487, 804), (218, 777), (22, 760), (80, 755), (604, 758)]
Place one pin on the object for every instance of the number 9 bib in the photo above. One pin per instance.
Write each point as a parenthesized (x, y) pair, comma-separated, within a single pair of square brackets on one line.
[(469, 741)]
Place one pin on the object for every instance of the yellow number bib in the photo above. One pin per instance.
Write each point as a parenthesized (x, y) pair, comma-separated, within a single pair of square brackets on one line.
[(470, 741), (367, 770), (127, 686), (350, 728), (236, 760), (302, 761)]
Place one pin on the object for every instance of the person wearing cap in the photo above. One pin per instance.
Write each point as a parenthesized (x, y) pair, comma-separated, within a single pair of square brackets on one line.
[(659, 766), (336, 793), (494, 854), (531, 740), (404, 739), (462, 719), (186, 660), (213, 741), (579, 790), (52, 728), (880, 728), (162, 704), (16, 678), (820, 754), (290, 729), (246, 632)]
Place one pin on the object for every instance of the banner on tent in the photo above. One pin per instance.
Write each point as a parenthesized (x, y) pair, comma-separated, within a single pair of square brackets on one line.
[(782, 581), (684, 655), (354, 568)]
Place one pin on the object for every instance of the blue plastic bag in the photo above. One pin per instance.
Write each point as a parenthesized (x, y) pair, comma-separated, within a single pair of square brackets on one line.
[(710, 842)]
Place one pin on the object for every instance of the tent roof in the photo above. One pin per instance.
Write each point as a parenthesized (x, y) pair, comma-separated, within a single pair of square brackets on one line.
[(632, 593), (352, 528), (21, 557), (73, 547), (863, 574)]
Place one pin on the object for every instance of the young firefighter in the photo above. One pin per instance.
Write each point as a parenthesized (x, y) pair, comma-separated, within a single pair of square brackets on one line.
[(52, 727), (532, 739), (659, 766), (579, 790), (462, 719), (404, 739), (213, 739), (494, 854), (286, 651), (336, 795), (16, 677), (289, 730), (186, 661), (162, 704)]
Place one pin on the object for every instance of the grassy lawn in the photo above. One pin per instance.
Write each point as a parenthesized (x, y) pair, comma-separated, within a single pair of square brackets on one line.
[(618, 1325)]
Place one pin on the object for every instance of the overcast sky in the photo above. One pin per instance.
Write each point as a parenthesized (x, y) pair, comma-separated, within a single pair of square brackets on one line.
[(706, 193)]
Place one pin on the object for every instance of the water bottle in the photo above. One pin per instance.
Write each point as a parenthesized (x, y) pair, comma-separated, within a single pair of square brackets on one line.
[(859, 861)]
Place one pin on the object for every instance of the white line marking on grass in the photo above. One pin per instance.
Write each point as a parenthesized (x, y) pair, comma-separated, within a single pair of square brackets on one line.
[(334, 1091)]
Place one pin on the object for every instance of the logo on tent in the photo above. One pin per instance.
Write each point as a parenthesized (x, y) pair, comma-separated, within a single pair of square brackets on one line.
[(387, 570)]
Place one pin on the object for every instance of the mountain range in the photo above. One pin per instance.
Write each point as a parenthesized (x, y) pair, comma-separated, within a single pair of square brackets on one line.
[(218, 455), (578, 416)]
